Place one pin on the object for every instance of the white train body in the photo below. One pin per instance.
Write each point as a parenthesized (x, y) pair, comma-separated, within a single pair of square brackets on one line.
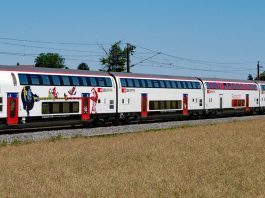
[(163, 94), (41, 95), (230, 94)]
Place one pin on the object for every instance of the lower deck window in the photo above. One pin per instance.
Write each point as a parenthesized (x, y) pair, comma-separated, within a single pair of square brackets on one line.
[(238, 103), (60, 107), (165, 104)]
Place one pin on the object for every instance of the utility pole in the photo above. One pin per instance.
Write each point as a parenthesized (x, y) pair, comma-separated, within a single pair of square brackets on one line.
[(128, 57), (258, 67)]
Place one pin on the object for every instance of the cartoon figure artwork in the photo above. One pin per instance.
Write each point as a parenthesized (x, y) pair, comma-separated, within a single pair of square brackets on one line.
[(94, 99), (72, 91), (53, 94), (28, 99)]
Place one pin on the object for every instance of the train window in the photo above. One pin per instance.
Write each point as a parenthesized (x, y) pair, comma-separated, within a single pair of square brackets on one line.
[(101, 82), (136, 83), (45, 80), (123, 82), (156, 83), (194, 85), (34, 79), (215, 86), (185, 85), (45, 108), (66, 107), (93, 81), (143, 83), (168, 85), (189, 85), (163, 105), (66, 80), (83, 81), (241, 86), (162, 83), (179, 85), (108, 82), (75, 81), (149, 84), (74, 107), (130, 82), (56, 80), (198, 85), (60, 107), (23, 79), (207, 85), (173, 84), (56, 107)]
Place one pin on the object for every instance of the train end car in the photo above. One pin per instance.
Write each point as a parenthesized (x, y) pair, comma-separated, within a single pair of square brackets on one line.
[(34, 97), (230, 95)]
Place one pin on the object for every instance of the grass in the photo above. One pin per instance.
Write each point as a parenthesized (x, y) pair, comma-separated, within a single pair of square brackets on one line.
[(222, 160)]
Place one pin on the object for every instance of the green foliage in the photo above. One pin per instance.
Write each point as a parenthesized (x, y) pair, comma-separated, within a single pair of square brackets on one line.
[(50, 60), (261, 76), (250, 77), (83, 66), (116, 58)]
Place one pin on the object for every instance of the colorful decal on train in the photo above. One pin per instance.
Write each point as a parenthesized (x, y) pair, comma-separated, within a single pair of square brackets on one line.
[(28, 99), (94, 98), (72, 92), (53, 93)]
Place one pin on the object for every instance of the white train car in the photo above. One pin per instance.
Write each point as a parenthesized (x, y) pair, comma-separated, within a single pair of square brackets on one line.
[(261, 87), (223, 94), (30, 94), (149, 95)]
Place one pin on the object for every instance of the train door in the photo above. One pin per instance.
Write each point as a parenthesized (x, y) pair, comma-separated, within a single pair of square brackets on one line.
[(185, 104), (85, 106), (144, 101), (221, 101), (247, 103), (12, 108)]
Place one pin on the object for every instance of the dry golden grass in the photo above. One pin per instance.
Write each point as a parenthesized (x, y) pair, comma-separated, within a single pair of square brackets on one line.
[(224, 160)]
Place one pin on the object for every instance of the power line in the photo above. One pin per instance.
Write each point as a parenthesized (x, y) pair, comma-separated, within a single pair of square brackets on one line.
[(51, 42), (51, 48), (196, 60), (34, 55)]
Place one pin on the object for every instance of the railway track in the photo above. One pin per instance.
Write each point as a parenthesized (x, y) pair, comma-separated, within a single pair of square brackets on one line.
[(78, 131)]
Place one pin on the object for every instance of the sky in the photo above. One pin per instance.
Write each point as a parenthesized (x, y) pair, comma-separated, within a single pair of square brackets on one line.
[(203, 38)]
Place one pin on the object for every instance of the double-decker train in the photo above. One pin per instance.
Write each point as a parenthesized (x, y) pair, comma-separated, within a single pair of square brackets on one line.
[(34, 97)]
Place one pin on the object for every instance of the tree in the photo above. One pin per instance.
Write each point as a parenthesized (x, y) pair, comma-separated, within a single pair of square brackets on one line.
[(83, 66), (116, 58), (250, 77), (50, 60), (261, 76)]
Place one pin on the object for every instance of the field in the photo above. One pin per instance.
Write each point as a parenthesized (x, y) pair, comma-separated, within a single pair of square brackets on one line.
[(223, 160)]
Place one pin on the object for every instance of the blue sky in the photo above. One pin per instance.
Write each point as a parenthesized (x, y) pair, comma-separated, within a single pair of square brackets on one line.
[(206, 38)]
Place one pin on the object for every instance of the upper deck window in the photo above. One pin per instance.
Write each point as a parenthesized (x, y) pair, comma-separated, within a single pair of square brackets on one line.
[(75, 81), (93, 81), (66, 80), (108, 82), (45, 80), (56, 80), (101, 82), (34, 79), (23, 79)]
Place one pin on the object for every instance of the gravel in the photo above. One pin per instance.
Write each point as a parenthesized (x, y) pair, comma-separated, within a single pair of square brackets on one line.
[(88, 132)]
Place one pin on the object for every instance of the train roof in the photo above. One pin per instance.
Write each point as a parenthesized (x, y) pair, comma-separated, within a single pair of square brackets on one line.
[(49, 70), (138, 75), (226, 80), (23, 68)]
